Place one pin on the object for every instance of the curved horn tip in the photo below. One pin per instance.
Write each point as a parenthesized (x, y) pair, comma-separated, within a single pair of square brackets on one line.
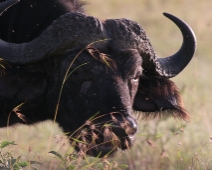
[(167, 14), (170, 66), (171, 17)]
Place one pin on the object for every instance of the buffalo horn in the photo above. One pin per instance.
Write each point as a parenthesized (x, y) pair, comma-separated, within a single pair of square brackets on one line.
[(171, 66), (70, 31)]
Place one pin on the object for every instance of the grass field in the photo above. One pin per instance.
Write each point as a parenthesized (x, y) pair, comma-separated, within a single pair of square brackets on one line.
[(165, 144)]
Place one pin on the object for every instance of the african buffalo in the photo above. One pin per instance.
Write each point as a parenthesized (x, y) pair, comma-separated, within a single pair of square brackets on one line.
[(86, 74)]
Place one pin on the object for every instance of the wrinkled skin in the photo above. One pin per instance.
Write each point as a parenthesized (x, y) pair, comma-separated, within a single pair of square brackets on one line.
[(103, 87)]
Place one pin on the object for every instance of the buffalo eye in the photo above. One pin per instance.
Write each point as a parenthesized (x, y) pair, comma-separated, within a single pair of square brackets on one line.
[(135, 77)]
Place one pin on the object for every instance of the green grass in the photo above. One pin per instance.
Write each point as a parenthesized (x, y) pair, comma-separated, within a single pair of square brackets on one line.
[(161, 144)]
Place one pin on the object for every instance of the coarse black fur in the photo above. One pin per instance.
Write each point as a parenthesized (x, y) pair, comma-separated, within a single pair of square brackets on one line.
[(101, 82)]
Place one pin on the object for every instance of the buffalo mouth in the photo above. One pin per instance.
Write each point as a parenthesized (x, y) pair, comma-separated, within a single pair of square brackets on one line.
[(100, 138)]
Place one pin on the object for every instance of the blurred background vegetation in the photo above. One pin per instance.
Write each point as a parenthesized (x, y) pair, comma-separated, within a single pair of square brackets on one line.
[(163, 143)]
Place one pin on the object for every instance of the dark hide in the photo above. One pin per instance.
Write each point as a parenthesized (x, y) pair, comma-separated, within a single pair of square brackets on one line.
[(99, 90), (38, 14)]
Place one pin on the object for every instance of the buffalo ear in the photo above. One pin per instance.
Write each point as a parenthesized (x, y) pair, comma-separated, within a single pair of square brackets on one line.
[(157, 97)]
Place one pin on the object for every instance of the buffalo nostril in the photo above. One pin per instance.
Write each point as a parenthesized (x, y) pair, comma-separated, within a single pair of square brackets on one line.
[(133, 124)]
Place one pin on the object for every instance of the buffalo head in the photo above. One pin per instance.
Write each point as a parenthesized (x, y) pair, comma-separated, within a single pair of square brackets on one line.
[(94, 74)]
